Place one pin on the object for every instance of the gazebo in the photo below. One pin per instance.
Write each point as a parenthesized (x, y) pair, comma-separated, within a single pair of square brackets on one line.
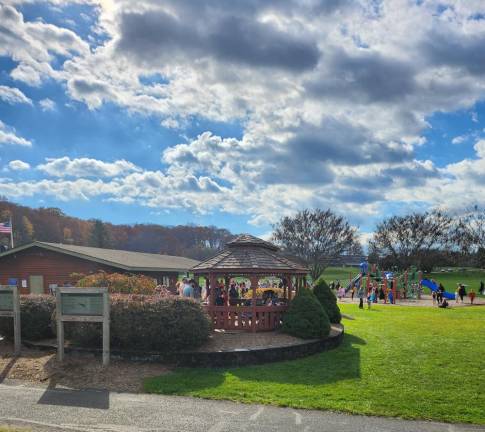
[(252, 258)]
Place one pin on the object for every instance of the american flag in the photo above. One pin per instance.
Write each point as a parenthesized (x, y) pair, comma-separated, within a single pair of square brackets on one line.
[(6, 228)]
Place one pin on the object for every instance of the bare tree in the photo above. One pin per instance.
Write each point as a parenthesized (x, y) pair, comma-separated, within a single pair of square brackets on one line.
[(470, 234), (414, 239), (316, 236)]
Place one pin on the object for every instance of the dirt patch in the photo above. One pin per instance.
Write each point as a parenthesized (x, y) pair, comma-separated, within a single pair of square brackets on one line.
[(77, 372)]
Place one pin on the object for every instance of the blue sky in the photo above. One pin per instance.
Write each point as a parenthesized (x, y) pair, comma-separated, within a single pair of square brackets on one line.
[(191, 112)]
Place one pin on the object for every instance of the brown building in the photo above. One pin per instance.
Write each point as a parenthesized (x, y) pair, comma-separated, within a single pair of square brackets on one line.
[(38, 267)]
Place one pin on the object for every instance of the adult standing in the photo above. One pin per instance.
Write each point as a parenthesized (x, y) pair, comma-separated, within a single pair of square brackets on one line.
[(462, 292), (482, 288), (360, 294), (188, 290)]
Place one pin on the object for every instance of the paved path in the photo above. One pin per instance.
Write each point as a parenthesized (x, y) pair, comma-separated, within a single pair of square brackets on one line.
[(97, 411)]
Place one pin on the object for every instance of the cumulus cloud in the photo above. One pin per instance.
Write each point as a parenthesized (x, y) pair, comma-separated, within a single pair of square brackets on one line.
[(18, 165), (13, 96), (9, 136), (332, 97), (86, 167), (47, 104)]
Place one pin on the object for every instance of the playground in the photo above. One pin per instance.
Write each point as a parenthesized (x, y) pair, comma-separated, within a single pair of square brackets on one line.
[(407, 288)]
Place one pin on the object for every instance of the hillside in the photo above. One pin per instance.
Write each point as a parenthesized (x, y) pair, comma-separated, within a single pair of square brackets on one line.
[(52, 225)]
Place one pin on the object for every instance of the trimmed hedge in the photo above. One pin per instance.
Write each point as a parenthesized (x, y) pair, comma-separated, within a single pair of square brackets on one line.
[(306, 318), (328, 300), (144, 323), (35, 317)]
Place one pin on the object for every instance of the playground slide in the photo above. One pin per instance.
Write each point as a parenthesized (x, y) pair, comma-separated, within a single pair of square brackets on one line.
[(354, 280), (433, 287)]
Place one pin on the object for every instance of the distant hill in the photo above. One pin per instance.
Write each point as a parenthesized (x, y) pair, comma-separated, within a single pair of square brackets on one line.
[(52, 225)]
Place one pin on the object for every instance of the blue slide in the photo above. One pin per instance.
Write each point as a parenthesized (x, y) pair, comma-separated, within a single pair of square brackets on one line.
[(433, 287)]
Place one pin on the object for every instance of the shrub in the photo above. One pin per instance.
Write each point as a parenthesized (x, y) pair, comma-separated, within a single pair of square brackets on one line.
[(147, 324), (328, 300), (35, 318), (306, 317), (119, 283)]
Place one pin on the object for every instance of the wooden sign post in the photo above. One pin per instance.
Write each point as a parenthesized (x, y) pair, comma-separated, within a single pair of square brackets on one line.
[(10, 307), (82, 305)]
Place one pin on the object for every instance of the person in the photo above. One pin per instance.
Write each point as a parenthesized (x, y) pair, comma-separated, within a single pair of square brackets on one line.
[(360, 294), (462, 292), (197, 289), (341, 293), (433, 296), (370, 298), (482, 288), (471, 294), (444, 304), (390, 297), (352, 293), (188, 290), (219, 299), (457, 295), (233, 294), (382, 294)]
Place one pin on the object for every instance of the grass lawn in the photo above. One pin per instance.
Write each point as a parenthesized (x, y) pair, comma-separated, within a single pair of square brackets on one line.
[(343, 273), (410, 362)]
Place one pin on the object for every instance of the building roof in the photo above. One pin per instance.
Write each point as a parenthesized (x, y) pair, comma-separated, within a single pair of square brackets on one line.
[(249, 254), (126, 260)]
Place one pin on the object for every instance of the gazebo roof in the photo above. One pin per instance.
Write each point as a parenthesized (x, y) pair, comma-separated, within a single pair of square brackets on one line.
[(249, 254)]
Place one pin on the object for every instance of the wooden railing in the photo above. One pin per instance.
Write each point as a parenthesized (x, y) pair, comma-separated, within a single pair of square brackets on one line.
[(259, 318)]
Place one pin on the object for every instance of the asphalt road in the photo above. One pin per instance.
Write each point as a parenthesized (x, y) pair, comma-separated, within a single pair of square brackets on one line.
[(97, 411)]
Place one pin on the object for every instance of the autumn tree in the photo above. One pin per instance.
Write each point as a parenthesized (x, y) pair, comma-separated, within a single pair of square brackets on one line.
[(418, 239), (27, 230), (99, 235), (315, 236)]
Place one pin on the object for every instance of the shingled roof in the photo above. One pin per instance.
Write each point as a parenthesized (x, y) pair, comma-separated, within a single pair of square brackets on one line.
[(126, 260), (249, 254)]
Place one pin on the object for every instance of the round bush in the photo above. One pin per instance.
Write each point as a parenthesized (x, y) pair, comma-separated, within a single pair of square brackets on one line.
[(35, 318), (306, 317), (328, 300), (145, 323)]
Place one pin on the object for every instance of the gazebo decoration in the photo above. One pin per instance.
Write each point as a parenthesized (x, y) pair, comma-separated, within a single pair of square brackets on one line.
[(252, 258)]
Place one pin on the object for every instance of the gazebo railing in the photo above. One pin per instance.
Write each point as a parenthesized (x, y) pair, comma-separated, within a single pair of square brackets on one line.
[(259, 318)]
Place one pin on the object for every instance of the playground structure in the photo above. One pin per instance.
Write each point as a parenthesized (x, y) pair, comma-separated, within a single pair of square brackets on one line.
[(405, 285)]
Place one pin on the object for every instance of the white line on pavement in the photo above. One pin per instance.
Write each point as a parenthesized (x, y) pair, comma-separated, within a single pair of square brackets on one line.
[(297, 418), (257, 414)]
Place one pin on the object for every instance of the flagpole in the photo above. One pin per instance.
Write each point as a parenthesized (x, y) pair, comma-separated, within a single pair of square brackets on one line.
[(11, 232)]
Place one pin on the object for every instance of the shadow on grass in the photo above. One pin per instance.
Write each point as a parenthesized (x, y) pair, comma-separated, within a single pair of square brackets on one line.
[(342, 363)]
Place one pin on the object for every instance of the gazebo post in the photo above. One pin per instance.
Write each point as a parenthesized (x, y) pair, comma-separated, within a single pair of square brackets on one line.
[(290, 281), (227, 279), (254, 285), (212, 282)]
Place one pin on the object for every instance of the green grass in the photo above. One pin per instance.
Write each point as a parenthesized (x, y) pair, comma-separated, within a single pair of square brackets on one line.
[(470, 277), (342, 273), (412, 362)]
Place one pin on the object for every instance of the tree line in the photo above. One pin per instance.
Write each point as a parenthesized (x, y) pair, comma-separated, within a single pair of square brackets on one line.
[(52, 225), (425, 240)]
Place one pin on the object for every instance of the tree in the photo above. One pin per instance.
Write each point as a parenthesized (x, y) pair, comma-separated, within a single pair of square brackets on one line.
[(416, 239), (316, 236), (328, 300), (306, 318), (99, 235), (470, 234), (27, 230)]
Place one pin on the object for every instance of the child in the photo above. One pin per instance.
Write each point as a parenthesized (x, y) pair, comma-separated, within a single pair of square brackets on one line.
[(433, 296), (471, 294)]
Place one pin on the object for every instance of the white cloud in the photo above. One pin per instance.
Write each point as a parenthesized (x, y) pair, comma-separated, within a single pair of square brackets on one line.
[(13, 95), (47, 104), (86, 167), (332, 105), (18, 165), (9, 136)]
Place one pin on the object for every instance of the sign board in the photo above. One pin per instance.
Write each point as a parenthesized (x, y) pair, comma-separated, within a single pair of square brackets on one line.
[(10, 307), (6, 301), (82, 305)]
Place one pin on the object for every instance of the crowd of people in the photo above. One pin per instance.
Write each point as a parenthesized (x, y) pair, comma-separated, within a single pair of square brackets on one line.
[(237, 290)]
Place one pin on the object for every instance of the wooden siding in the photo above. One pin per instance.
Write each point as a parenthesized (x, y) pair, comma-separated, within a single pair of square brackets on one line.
[(55, 267)]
